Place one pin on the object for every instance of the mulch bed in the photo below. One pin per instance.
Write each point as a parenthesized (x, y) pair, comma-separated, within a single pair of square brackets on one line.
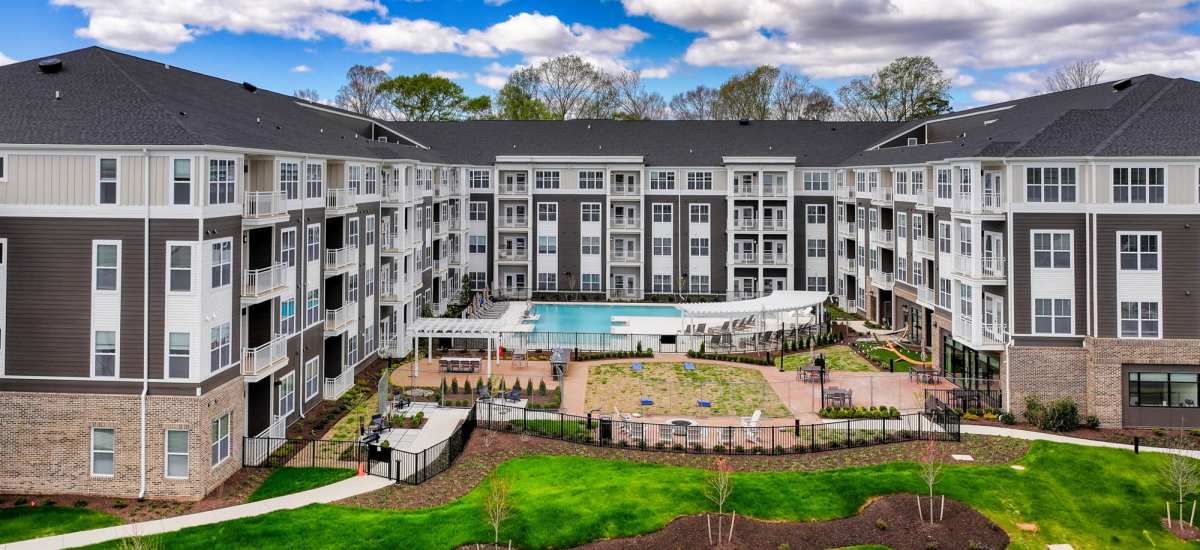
[(1149, 437), (320, 419), (482, 456), (891, 521), (1182, 530)]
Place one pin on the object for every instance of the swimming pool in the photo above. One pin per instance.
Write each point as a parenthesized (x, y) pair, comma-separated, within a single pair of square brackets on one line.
[(591, 317)]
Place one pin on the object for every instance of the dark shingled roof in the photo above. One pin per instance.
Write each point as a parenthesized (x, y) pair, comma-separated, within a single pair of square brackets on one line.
[(109, 98)]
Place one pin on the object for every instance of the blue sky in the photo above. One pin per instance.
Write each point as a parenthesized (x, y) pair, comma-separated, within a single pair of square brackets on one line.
[(993, 49)]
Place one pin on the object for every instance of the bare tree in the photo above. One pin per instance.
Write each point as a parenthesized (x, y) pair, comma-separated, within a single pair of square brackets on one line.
[(1180, 475), (931, 472), (717, 489), (699, 103), (633, 101), (361, 92), (308, 94), (496, 505), (1076, 74), (796, 98), (568, 87), (905, 89)]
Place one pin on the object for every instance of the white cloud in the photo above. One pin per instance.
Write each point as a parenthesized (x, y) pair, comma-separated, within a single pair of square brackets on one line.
[(494, 75), (385, 65), (658, 72), (302, 68), (451, 75), (5, 60), (496, 2), (992, 95)]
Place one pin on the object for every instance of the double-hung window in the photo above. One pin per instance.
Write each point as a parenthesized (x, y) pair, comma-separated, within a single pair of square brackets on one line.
[(900, 182), (289, 179), (816, 181), (104, 358), (816, 248), (107, 264), (222, 181), (591, 179), (546, 179), (222, 263), (1051, 250), (478, 211), (477, 244), (1139, 185), (699, 213), (354, 178), (902, 226), (287, 316), (589, 212), (1052, 316), (176, 454), (1050, 184), (179, 355), (916, 180), (699, 247), (312, 380), (286, 393), (220, 439), (660, 283), (662, 180), (662, 213), (945, 189), (589, 246), (352, 288), (945, 237), (369, 180), (1138, 251), (699, 284), (547, 281), (1139, 320), (815, 213), (547, 211), (547, 244), (662, 246), (370, 230), (103, 451), (479, 179), (312, 307), (287, 247), (314, 181), (106, 190), (220, 346), (312, 243), (181, 182), (590, 282), (699, 181)]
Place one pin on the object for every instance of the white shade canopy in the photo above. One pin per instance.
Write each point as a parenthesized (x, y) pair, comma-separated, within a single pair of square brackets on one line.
[(775, 302), (441, 327)]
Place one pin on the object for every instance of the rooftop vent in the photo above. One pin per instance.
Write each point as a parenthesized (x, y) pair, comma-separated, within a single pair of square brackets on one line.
[(744, 122), (383, 139), (1122, 84), (912, 141), (51, 65), (250, 87)]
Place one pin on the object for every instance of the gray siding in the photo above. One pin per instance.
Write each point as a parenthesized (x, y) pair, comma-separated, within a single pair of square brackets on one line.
[(1021, 283), (1179, 260)]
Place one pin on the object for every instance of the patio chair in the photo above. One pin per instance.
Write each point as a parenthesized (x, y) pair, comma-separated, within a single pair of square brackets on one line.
[(687, 331), (714, 342), (513, 395), (618, 415), (723, 330), (752, 420), (700, 328), (482, 393), (727, 341)]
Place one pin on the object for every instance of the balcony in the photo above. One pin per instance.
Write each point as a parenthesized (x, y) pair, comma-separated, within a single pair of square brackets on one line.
[(624, 256), (514, 222), (994, 334), (392, 244), (989, 267), (993, 267), (340, 319), (847, 264), (264, 207), (391, 291), (513, 189), (774, 258), (854, 304), (883, 195), (745, 224), (513, 254), (776, 189), (927, 297), (991, 202), (339, 260), (392, 347), (626, 223), (883, 236), (625, 294), (883, 279), (336, 387), (266, 442), (626, 189), (745, 190), (440, 264), (439, 228), (393, 195), (924, 245), (745, 258), (261, 284), (775, 224), (339, 201), (845, 193), (925, 199), (262, 360), (847, 228)]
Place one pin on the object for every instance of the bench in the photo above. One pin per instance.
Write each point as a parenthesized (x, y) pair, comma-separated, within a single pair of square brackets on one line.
[(459, 364)]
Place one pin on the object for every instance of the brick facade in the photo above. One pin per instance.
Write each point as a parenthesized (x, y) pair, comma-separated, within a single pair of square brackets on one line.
[(48, 450), (1105, 395), (1047, 372)]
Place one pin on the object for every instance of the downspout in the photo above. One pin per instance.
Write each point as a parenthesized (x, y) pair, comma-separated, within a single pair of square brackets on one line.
[(302, 194), (145, 316)]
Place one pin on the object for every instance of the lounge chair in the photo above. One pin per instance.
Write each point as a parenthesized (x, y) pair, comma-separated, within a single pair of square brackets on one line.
[(724, 328), (752, 420), (618, 415), (700, 329), (727, 341), (687, 331), (513, 395)]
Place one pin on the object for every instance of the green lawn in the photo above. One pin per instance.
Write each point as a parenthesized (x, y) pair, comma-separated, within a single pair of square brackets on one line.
[(285, 481), (1088, 497), (26, 522), (904, 360), (837, 357), (732, 390)]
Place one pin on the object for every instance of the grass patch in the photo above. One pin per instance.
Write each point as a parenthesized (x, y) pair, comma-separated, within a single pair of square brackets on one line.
[(285, 481), (562, 501), (29, 522), (675, 391), (904, 361), (347, 428), (838, 357)]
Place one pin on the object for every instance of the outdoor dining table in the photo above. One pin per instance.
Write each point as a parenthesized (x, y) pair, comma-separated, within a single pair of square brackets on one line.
[(924, 375), (837, 396)]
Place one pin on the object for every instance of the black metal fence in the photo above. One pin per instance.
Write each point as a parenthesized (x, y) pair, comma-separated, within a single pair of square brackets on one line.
[(960, 399), (718, 341), (417, 468), (607, 431)]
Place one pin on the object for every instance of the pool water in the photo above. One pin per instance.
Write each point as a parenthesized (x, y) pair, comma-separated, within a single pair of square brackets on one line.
[(591, 317)]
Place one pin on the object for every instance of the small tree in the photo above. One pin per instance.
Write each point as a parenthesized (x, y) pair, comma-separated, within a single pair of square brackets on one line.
[(1180, 475), (718, 488), (931, 472), (496, 505)]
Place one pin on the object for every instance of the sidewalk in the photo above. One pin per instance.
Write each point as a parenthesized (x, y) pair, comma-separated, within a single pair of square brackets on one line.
[(998, 431), (329, 493)]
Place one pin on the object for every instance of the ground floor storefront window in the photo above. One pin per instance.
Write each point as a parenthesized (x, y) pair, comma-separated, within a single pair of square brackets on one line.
[(968, 368)]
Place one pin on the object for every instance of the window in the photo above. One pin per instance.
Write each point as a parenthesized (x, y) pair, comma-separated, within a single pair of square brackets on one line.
[(590, 282), (901, 269), (660, 283), (351, 349), (287, 316), (352, 233), (662, 246), (918, 273), (902, 226), (699, 213), (370, 230), (964, 239), (699, 246), (945, 190), (314, 183), (547, 211), (289, 179), (944, 286), (477, 244), (220, 439), (104, 358), (3, 174), (816, 248), (1139, 319), (103, 451), (699, 181), (964, 301), (220, 347), (1161, 389), (662, 180), (591, 179), (107, 266), (547, 281), (222, 263), (106, 189), (479, 179), (1049, 184), (286, 403), (478, 211), (1139, 251), (312, 380), (816, 284), (589, 246), (369, 180), (900, 182), (662, 213), (1052, 250), (352, 288), (312, 307), (287, 246), (369, 338), (1139, 185), (545, 179), (312, 243), (816, 181), (222, 178), (354, 178), (547, 244), (917, 179), (945, 237), (181, 181), (815, 213), (699, 284), (177, 454), (918, 226), (589, 212), (179, 355)]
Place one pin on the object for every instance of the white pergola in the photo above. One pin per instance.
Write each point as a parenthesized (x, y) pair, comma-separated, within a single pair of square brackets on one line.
[(777, 302), (439, 327)]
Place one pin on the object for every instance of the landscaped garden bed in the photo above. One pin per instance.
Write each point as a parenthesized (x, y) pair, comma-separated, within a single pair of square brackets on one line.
[(464, 391), (859, 412), (320, 419), (673, 390), (888, 354), (838, 357)]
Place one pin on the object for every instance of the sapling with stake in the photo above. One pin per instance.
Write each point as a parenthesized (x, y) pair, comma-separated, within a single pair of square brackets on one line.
[(931, 473), (717, 490), (496, 505), (1181, 476)]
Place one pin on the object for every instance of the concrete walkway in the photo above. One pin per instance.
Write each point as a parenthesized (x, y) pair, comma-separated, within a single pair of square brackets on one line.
[(999, 431), (329, 493)]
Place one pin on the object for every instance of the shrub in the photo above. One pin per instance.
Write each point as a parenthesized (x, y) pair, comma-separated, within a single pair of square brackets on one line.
[(660, 445), (454, 386), (641, 444), (541, 387), (881, 524), (1092, 421), (1061, 415), (697, 447), (718, 448), (1159, 432), (81, 504), (1007, 418), (467, 387), (779, 449), (739, 449), (677, 447)]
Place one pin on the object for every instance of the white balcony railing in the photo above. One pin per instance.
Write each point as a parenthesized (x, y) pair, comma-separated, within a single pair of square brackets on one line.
[(340, 258), (989, 201), (845, 193), (513, 188), (625, 293), (992, 201), (513, 254), (775, 224), (847, 228), (993, 266), (744, 258), (392, 194), (779, 189), (927, 296), (925, 199), (439, 228), (774, 258), (745, 190), (884, 279), (963, 264), (339, 199), (260, 360), (624, 222), (923, 245), (883, 236), (392, 347), (994, 333), (268, 441), (337, 386), (257, 283), (264, 204), (516, 222), (624, 255), (847, 264), (626, 189), (337, 320), (750, 224), (964, 328), (391, 243), (884, 194)]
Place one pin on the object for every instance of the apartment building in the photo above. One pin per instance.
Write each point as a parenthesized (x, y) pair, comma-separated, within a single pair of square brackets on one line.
[(187, 260)]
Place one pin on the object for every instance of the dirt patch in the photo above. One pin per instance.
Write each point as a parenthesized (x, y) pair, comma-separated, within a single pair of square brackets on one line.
[(482, 456), (891, 521)]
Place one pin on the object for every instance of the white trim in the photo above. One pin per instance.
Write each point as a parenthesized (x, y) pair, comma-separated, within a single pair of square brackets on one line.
[(292, 401), (92, 451), (187, 454), (316, 374), (228, 435), (192, 283), (362, 118), (116, 181), (5, 167), (564, 159), (757, 160)]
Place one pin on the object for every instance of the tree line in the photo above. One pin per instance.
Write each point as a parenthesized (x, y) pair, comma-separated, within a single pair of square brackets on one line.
[(570, 87)]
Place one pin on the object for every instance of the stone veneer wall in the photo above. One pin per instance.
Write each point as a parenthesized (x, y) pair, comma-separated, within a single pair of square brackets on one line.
[(48, 445), (1105, 395), (1049, 373)]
